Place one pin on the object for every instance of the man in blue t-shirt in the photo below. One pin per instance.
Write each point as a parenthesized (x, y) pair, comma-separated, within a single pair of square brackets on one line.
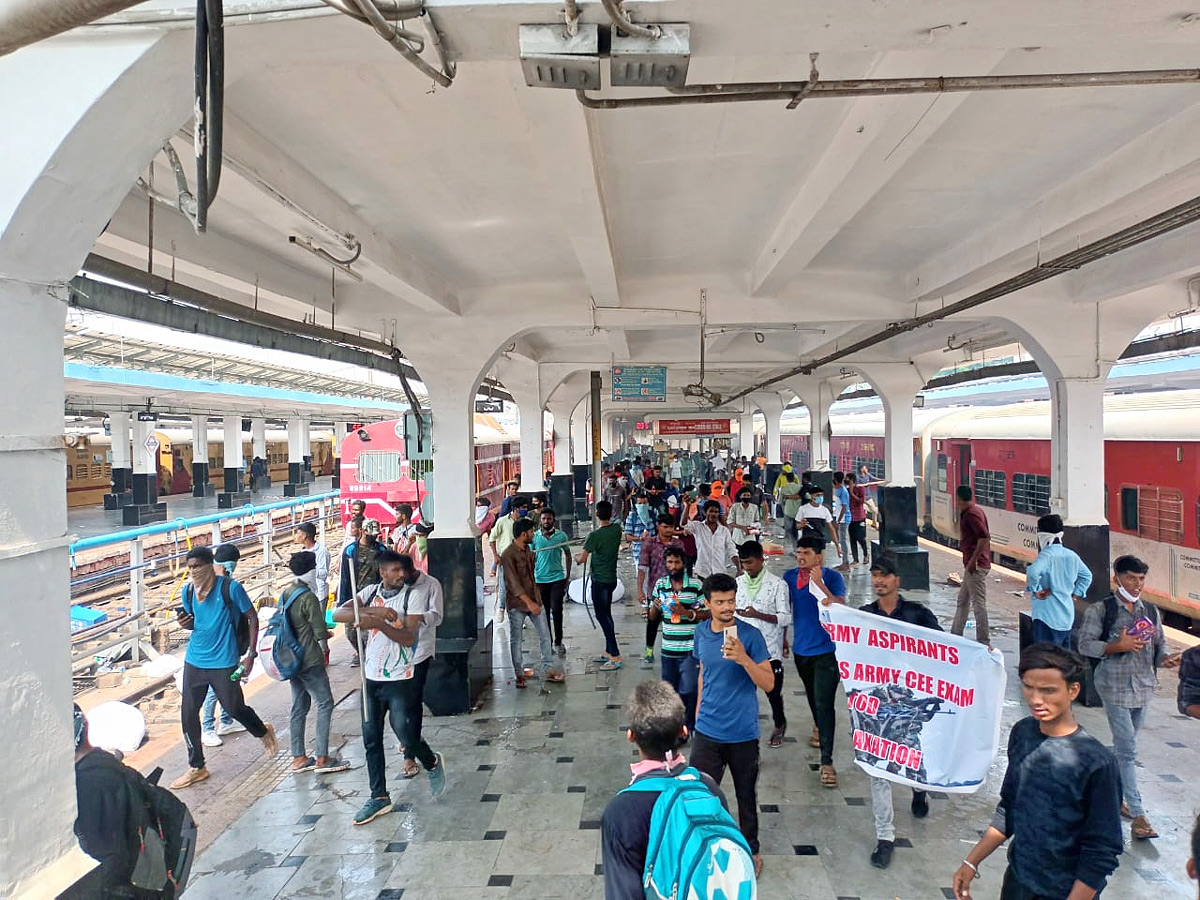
[(734, 664), (212, 658), (841, 517), (552, 573), (809, 585)]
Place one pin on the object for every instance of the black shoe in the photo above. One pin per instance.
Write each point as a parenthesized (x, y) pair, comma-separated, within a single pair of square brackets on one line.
[(920, 804), (882, 857)]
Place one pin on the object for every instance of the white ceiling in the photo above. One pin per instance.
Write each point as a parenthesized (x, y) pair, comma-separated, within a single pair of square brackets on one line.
[(836, 217)]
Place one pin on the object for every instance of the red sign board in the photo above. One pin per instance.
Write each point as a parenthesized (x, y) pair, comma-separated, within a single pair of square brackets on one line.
[(642, 426), (692, 426)]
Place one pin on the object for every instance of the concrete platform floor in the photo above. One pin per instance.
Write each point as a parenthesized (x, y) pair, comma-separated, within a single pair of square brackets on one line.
[(531, 771), (87, 521)]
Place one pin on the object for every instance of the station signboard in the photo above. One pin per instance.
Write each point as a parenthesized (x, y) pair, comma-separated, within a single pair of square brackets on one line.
[(489, 406), (692, 426), (639, 384)]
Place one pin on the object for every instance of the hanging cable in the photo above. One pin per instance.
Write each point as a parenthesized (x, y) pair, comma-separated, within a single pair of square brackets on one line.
[(621, 19), (210, 105)]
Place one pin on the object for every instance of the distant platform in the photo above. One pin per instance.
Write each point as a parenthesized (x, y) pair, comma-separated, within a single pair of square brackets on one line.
[(89, 521)]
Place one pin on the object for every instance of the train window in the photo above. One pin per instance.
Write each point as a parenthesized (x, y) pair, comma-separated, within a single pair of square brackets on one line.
[(1129, 509), (380, 466), (942, 479), (1160, 514), (991, 488), (1031, 494)]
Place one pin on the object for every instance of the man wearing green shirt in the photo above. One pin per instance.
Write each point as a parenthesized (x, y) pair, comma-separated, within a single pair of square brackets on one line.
[(552, 572), (602, 547)]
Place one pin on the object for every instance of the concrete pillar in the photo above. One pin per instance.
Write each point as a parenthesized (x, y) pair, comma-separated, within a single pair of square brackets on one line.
[(532, 442), (746, 434), (122, 463), (145, 508), (306, 446), (897, 386), (339, 433), (771, 405), (201, 486), (83, 142), (818, 396), (562, 481), (297, 450), (233, 493), (258, 438)]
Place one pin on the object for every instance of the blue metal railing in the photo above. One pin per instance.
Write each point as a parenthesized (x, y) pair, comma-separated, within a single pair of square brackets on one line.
[(117, 537)]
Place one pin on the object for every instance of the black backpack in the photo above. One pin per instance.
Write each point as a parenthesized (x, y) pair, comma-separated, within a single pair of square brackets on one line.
[(237, 621), (1110, 617), (165, 837)]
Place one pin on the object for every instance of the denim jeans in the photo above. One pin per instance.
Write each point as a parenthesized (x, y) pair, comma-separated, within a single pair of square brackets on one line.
[(683, 674), (400, 702), (843, 531), (1125, 724), (309, 685), (516, 627), (881, 806), (1044, 634), (208, 714), (602, 594)]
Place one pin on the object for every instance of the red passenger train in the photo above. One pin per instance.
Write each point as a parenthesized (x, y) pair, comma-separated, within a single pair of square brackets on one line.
[(1151, 490)]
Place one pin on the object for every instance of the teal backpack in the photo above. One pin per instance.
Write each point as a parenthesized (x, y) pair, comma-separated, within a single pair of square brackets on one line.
[(279, 649), (696, 851)]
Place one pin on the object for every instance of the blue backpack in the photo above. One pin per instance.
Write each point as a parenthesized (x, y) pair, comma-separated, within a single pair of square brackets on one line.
[(278, 647), (696, 851)]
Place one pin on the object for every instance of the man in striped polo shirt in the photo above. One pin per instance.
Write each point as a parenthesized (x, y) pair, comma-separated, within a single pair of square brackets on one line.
[(678, 600)]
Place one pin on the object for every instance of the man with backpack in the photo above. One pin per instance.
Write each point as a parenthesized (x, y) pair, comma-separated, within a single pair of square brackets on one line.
[(360, 569), (211, 731), (308, 646), (734, 664), (142, 835), (1126, 635), (639, 815), (399, 616), (224, 630)]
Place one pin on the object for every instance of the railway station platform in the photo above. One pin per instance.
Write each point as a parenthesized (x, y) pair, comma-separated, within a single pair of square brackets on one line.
[(530, 773), (89, 521)]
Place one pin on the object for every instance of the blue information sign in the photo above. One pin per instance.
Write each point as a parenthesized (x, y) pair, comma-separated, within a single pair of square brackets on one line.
[(639, 384)]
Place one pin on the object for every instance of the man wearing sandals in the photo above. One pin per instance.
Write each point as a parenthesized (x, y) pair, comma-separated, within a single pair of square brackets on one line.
[(521, 594), (763, 601), (401, 615), (311, 684), (808, 585)]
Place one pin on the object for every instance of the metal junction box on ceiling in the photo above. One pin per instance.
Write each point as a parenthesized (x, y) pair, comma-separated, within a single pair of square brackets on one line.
[(651, 62), (550, 57)]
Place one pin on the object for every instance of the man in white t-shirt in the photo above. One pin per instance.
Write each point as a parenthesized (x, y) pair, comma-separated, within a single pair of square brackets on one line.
[(764, 602), (401, 614), (816, 517)]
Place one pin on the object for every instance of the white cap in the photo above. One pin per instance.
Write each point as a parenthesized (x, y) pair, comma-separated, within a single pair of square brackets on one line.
[(672, 500)]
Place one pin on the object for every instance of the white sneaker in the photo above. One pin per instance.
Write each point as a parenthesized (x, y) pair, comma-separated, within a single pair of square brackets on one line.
[(210, 739), (231, 728)]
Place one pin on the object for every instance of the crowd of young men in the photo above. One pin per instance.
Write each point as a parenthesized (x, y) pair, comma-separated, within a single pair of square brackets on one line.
[(724, 638)]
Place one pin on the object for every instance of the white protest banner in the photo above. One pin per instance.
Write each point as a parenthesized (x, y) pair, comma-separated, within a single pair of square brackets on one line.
[(924, 705)]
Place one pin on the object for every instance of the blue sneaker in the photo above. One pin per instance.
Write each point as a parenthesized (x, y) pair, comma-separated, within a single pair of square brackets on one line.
[(437, 777), (372, 810)]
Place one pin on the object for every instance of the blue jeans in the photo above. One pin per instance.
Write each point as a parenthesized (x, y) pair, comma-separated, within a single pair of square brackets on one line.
[(209, 713), (516, 628), (683, 674), (1044, 634), (1125, 724)]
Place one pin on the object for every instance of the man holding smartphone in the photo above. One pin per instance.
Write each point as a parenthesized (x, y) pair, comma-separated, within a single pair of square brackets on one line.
[(210, 605), (734, 664)]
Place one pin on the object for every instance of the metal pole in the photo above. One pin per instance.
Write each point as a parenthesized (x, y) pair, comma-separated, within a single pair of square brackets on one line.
[(597, 466), (136, 596)]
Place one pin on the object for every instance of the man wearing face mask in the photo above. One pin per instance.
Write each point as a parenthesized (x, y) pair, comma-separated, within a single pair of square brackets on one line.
[(401, 615), (815, 518), (311, 684), (1125, 634), (226, 557), (639, 524), (1055, 581), (211, 604), (715, 549)]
